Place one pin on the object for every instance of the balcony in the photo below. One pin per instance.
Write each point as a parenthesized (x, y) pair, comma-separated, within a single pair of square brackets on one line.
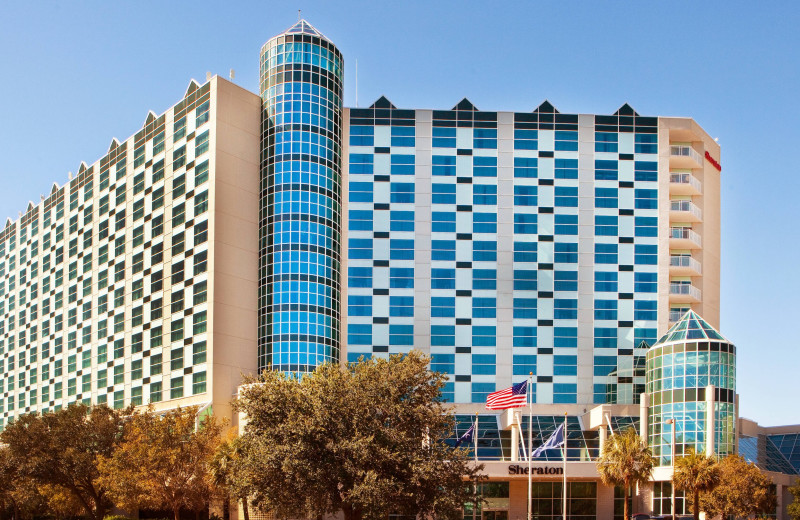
[(675, 315), (684, 156), (684, 211), (684, 238), (684, 265), (683, 293), (684, 184)]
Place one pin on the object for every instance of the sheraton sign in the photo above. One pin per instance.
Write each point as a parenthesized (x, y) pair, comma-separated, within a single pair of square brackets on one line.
[(516, 469)]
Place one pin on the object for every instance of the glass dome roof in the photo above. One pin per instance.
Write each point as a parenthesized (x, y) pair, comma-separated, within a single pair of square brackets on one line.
[(303, 27), (690, 327)]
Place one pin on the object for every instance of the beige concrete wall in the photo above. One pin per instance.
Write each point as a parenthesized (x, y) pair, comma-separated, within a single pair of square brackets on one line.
[(233, 233)]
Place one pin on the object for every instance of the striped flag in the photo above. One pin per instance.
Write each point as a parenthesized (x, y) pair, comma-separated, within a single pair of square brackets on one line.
[(511, 397)]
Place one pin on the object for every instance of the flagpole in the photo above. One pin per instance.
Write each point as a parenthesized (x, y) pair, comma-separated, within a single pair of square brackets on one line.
[(475, 437), (529, 397), (564, 457)]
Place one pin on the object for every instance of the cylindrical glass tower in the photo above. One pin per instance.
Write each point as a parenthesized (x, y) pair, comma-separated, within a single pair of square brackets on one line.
[(691, 378), (301, 193)]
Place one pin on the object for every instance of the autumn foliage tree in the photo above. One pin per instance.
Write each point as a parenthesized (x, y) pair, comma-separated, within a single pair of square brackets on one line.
[(367, 439), (227, 474), (60, 452), (743, 490), (163, 462)]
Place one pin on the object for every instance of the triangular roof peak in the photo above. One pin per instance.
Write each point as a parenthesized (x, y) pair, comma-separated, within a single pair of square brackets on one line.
[(691, 327), (30, 207), (192, 87), (625, 110), (303, 27), (151, 116), (114, 144), (82, 168), (54, 189), (546, 108), (383, 102), (8, 222), (465, 104)]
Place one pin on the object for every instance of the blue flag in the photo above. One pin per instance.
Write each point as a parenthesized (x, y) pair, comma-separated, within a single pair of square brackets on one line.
[(467, 437), (555, 440)]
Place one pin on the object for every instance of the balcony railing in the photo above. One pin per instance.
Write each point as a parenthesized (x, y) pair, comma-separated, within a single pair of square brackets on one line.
[(685, 289), (686, 206), (686, 179), (676, 315), (685, 233), (686, 151), (685, 261)]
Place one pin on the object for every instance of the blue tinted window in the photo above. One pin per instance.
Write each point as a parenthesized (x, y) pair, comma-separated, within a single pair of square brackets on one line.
[(566, 168), (361, 163), (606, 141), (645, 254), (401, 335), (566, 140), (360, 192), (565, 280), (402, 192), (443, 221), (401, 306), (605, 281), (484, 166), (484, 336), (444, 193), (484, 194), (565, 365), (525, 251), (359, 334), (647, 335), (646, 143), (359, 277), (605, 170), (605, 309), (484, 222), (645, 310), (525, 279), (484, 279), (566, 197), (565, 393), (401, 220), (359, 305), (646, 171), (604, 365), (443, 278), (443, 307), (566, 224), (525, 223), (565, 337), (483, 364), (402, 164), (526, 167), (525, 195), (360, 248), (400, 249), (484, 307), (484, 251), (605, 198), (524, 364), (444, 166), (362, 136), (443, 363), (605, 253), (402, 136), (565, 309), (525, 139), (484, 137), (480, 391), (443, 249), (361, 220), (443, 336), (401, 277), (646, 199), (646, 226), (566, 253), (525, 308), (645, 282), (444, 137), (524, 336), (605, 337), (606, 225)]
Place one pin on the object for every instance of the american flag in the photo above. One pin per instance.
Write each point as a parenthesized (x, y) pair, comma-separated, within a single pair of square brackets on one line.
[(511, 397)]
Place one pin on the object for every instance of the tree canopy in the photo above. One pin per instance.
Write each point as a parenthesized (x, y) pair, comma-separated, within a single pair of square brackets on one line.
[(163, 462), (793, 509), (743, 490), (60, 450), (695, 473), (626, 460), (367, 439)]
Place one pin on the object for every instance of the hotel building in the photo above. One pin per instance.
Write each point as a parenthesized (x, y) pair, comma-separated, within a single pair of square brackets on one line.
[(237, 232)]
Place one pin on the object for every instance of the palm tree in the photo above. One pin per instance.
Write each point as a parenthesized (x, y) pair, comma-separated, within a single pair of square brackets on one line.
[(626, 460), (695, 473), (227, 476)]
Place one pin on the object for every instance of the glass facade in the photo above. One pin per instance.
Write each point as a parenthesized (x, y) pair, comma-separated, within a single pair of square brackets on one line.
[(691, 379), (463, 238), (300, 197)]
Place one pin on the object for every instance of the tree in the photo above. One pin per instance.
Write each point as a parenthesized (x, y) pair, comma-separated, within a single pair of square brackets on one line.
[(626, 460), (19, 495), (227, 475), (695, 473), (743, 490), (367, 439), (61, 450), (794, 508), (163, 462)]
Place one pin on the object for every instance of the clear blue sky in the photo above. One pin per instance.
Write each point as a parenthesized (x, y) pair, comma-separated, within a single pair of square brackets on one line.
[(76, 74)]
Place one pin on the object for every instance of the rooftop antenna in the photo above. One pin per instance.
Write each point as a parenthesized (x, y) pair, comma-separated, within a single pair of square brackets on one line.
[(232, 74), (298, 15)]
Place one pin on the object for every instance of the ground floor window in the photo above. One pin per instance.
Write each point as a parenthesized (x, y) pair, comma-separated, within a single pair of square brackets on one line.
[(662, 493), (548, 497), (494, 505), (619, 503)]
